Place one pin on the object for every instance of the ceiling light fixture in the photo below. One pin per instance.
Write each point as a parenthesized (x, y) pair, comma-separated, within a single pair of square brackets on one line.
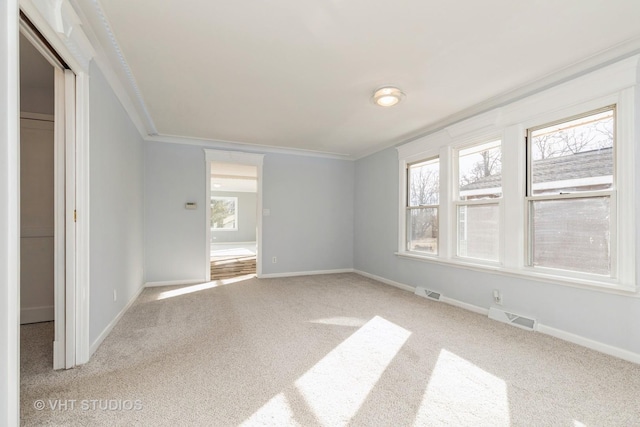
[(387, 96)]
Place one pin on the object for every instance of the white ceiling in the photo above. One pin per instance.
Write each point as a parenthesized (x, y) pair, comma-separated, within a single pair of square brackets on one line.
[(300, 73), (234, 177)]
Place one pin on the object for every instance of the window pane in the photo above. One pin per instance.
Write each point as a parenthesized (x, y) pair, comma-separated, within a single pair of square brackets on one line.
[(479, 232), (424, 183), (575, 155), (479, 171), (572, 234), (422, 230), (223, 213)]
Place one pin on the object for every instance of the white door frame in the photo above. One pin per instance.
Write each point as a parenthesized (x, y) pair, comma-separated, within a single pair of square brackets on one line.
[(69, 173), (64, 351), (60, 26), (236, 157), (9, 216)]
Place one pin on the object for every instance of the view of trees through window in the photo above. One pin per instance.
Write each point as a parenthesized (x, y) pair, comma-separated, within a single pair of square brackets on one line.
[(479, 171), (224, 213), (576, 155), (423, 195)]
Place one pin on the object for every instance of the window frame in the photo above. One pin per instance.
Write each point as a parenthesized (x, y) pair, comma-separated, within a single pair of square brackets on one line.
[(613, 85), (235, 203), (457, 202), (611, 193), (409, 207)]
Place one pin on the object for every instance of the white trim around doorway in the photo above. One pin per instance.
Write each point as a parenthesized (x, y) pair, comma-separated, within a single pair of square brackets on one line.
[(242, 158)]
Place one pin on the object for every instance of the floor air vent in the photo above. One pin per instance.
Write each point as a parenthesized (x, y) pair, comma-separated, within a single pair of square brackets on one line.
[(512, 319), (426, 293)]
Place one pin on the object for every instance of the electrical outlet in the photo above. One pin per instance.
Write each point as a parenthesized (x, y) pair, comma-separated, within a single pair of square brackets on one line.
[(115, 295), (497, 296), (274, 260)]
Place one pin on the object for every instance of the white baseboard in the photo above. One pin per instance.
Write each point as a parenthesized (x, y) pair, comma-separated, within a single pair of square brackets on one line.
[(105, 333), (466, 306), (37, 314), (174, 283), (589, 343), (386, 281), (304, 273), (547, 330)]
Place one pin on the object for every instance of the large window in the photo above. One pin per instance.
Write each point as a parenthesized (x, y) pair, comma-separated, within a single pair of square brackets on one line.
[(571, 193), (543, 188), (423, 198), (224, 213), (477, 205)]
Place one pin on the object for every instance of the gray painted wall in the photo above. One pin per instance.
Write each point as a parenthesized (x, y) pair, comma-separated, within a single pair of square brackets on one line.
[(310, 226), (604, 317), (174, 236), (247, 213), (116, 188)]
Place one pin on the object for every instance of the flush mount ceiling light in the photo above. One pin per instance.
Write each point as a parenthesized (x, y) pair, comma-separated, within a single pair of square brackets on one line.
[(387, 96)]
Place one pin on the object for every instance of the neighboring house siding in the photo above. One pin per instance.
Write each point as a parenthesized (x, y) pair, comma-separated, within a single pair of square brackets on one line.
[(589, 240)]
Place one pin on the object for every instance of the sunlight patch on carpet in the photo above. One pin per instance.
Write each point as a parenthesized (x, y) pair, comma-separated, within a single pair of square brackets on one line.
[(276, 412), (340, 321), (461, 393), (336, 387), (202, 286)]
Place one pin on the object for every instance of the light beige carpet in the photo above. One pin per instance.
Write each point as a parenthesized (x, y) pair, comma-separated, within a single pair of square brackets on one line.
[(322, 350)]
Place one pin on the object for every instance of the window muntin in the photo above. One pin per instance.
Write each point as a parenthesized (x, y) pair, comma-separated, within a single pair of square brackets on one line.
[(477, 204), (570, 189), (224, 213), (423, 197)]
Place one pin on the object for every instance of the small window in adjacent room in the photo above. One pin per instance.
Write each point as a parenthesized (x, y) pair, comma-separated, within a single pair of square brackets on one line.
[(423, 196), (571, 194), (478, 201), (224, 213)]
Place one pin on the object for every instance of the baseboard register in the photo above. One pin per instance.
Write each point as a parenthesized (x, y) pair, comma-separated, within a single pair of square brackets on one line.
[(512, 319), (494, 313), (426, 293)]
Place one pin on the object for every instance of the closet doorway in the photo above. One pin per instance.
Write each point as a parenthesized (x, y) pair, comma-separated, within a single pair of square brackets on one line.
[(47, 196)]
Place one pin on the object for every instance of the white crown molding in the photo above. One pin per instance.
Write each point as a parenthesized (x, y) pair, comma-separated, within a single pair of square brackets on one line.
[(236, 146), (595, 62), (108, 55), (110, 59), (594, 87), (62, 27), (124, 66)]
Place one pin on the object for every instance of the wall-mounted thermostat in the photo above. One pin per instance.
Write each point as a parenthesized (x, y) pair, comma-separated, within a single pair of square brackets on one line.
[(191, 205)]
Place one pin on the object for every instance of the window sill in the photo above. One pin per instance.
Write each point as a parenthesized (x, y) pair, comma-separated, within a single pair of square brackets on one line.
[(527, 273)]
